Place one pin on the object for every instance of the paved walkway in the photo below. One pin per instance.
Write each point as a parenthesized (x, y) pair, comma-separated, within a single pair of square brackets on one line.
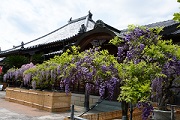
[(14, 111)]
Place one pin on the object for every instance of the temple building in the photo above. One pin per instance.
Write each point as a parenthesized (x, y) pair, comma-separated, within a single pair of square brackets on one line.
[(83, 32)]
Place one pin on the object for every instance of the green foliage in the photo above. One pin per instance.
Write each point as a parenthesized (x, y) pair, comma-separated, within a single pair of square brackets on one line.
[(136, 80), (41, 74), (177, 15), (116, 41), (37, 58), (46, 81), (90, 66), (103, 58), (142, 54), (159, 52), (15, 61)]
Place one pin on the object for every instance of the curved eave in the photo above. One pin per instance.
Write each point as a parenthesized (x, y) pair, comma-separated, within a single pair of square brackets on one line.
[(49, 45)]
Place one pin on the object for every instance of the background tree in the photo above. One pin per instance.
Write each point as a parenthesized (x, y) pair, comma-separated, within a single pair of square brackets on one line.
[(37, 58), (14, 61), (177, 15)]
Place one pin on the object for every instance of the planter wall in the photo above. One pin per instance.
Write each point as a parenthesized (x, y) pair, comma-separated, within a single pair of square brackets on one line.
[(49, 101), (162, 115), (113, 115)]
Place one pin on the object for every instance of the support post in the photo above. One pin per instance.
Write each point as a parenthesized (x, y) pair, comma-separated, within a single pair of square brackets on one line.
[(131, 111), (86, 101), (72, 112), (124, 110), (172, 112)]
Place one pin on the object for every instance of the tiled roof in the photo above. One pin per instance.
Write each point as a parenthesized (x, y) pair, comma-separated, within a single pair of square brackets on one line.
[(163, 24), (84, 24), (170, 27), (67, 31)]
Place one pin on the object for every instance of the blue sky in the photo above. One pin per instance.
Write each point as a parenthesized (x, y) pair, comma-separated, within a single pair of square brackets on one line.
[(25, 20)]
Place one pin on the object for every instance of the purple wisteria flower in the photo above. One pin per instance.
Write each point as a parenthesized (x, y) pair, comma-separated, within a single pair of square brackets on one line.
[(142, 46), (120, 50), (147, 109), (34, 84), (129, 55)]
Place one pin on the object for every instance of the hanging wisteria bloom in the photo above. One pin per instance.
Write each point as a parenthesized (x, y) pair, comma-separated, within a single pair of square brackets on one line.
[(17, 74), (145, 49), (91, 66)]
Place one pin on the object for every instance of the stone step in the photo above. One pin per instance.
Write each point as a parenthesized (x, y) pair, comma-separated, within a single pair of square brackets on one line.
[(106, 106), (113, 103)]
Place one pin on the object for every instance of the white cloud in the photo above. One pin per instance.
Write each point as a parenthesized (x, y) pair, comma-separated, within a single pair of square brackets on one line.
[(24, 20)]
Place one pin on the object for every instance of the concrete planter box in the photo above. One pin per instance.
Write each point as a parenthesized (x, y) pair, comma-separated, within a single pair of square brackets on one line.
[(162, 115), (49, 101)]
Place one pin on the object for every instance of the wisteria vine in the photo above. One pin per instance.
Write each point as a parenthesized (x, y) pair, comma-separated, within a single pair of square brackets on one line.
[(145, 45)]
